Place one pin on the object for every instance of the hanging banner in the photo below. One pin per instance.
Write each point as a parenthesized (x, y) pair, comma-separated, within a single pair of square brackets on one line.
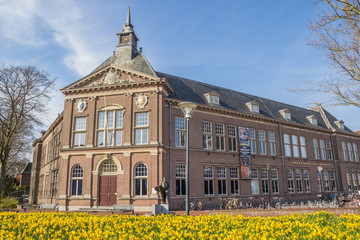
[(244, 147)]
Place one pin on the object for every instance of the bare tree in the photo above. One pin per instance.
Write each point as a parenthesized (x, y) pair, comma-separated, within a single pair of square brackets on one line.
[(24, 92), (338, 37)]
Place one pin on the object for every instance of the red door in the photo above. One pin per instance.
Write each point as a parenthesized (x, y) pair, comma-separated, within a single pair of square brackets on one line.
[(107, 190)]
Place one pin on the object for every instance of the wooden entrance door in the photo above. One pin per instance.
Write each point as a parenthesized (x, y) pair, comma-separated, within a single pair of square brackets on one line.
[(108, 186)]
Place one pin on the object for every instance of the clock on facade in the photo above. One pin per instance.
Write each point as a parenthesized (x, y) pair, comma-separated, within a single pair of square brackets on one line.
[(125, 39)]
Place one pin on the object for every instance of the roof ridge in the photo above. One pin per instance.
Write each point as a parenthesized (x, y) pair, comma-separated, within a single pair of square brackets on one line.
[(245, 94)]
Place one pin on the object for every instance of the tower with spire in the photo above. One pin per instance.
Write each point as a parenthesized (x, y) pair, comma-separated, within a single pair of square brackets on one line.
[(127, 41)]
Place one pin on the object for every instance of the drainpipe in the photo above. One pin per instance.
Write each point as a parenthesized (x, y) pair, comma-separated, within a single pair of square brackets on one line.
[(170, 160), (335, 163), (282, 159)]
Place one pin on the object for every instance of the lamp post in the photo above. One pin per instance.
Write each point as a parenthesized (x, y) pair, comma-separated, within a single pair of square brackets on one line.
[(187, 108)]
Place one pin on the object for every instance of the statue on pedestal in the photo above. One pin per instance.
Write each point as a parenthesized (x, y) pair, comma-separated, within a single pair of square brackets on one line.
[(162, 188)]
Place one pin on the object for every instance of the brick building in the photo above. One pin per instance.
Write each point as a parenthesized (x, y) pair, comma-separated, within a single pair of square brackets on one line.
[(122, 131)]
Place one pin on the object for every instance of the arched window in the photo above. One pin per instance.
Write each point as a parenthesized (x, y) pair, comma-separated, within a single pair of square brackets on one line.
[(108, 166), (77, 175), (141, 174)]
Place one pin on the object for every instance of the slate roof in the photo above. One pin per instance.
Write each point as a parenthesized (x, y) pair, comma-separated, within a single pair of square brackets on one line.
[(27, 169), (138, 63), (193, 91)]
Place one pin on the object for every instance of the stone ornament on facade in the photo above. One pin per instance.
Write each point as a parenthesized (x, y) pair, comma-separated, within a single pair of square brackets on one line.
[(69, 100), (81, 106), (92, 98), (141, 100)]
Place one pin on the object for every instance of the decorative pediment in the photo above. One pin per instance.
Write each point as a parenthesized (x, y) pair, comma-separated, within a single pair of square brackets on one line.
[(286, 113), (110, 76)]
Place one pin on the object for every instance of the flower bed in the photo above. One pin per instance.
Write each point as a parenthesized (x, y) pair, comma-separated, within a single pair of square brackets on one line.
[(86, 226)]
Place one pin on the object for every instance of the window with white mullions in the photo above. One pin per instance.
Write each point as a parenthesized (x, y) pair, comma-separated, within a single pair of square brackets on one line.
[(208, 180), (322, 149), (79, 132), (220, 137), (355, 183), (344, 150), (180, 179), (287, 145), (329, 150), (141, 128), (110, 126), (77, 174), (316, 148), (271, 139), (274, 181), (254, 181), (264, 181), (349, 148), (221, 171), (252, 138), (307, 180), (290, 177), (319, 180), (262, 142), (232, 138), (303, 147), (234, 180), (207, 137), (179, 132), (141, 175), (356, 154), (333, 182), (295, 146)]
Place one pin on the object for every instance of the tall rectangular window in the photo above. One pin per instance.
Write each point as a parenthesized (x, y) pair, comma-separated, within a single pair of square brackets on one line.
[(252, 138), (141, 128), (333, 182), (329, 150), (295, 145), (254, 181), (344, 150), (307, 180), (232, 138), (299, 186), (109, 131), (262, 142), (303, 147), (349, 148), (208, 180), (274, 181), (319, 180), (179, 132), (287, 145), (354, 181), (220, 136), (180, 179), (271, 138), (234, 180), (79, 132), (316, 148), (326, 181), (290, 176), (207, 137), (322, 149), (348, 178), (221, 171), (356, 154), (264, 181)]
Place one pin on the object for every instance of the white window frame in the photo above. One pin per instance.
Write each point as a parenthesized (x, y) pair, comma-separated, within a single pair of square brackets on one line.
[(262, 142), (179, 132), (220, 136), (141, 128)]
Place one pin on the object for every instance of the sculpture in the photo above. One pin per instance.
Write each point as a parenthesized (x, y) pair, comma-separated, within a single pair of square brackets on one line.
[(162, 188)]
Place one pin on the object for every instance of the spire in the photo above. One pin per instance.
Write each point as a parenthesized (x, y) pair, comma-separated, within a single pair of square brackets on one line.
[(128, 27), (128, 20)]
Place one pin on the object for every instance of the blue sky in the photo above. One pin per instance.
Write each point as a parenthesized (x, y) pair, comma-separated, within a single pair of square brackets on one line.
[(257, 47)]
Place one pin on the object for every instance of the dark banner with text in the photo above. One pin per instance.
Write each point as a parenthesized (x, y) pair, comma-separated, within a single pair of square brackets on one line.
[(244, 147)]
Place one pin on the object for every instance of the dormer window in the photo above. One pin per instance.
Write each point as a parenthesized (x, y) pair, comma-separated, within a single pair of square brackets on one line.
[(340, 124), (212, 98), (253, 106), (313, 120), (286, 114)]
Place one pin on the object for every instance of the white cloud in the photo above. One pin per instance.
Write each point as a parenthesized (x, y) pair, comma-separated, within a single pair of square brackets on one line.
[(29, 22)]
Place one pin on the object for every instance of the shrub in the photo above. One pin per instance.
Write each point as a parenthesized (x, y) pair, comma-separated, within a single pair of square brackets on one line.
[(8, 203)]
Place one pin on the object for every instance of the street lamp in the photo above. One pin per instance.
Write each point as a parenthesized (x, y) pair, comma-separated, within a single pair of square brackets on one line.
[(187, 108)]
